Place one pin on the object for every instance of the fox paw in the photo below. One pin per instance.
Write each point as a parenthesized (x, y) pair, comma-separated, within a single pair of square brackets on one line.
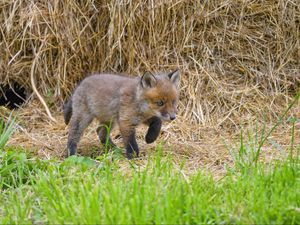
[(151, 137)]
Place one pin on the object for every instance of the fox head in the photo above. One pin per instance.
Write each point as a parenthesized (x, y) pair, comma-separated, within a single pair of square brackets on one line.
[(159, 94)]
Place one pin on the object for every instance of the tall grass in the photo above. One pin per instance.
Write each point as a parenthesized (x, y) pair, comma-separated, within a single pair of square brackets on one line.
[(6, 130), (249, 151), (79, 190)]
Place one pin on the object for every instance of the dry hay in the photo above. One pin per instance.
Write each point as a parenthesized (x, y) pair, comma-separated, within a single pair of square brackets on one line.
[(239, 59)]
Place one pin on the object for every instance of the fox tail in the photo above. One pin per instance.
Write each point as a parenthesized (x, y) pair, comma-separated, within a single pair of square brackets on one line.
[(67, 111)]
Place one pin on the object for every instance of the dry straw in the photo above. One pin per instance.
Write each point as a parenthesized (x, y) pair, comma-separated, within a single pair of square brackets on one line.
[(238, 58)]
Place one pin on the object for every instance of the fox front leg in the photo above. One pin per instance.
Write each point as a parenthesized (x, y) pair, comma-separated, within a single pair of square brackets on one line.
[(128, 136), (153, 130)]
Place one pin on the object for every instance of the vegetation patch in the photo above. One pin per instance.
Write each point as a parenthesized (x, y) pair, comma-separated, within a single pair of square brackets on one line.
[(81, 190)]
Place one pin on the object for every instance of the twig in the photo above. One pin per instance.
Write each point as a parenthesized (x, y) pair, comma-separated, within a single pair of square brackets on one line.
[(37, 93)]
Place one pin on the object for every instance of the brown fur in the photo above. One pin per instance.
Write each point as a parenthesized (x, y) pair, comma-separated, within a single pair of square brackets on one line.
[(117, 99)]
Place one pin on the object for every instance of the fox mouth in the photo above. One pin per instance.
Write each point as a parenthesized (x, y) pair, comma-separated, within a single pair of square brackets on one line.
[(165, 119)]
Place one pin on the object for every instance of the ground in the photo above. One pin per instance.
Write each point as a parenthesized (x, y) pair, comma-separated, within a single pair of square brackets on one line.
[(206, 147)]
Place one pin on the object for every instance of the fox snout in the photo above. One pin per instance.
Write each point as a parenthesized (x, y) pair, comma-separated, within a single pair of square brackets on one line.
[(172, 117), (168, 116)]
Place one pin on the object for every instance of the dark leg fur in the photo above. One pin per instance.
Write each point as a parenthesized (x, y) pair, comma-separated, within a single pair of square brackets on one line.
[(132, 149), (128, 135), (153, 130), (72, 148)]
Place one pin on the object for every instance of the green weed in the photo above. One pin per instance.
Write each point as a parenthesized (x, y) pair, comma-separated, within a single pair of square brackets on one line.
[(6, 130), (246, 156)]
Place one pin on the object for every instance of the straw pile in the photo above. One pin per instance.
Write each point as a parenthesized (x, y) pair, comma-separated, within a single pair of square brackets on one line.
[(239, 58)]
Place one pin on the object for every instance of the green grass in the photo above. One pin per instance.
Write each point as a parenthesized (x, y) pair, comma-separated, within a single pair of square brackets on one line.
[(6, 130), (80, 190)]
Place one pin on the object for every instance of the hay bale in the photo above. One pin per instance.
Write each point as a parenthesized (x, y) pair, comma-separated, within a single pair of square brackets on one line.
[(235, 55)]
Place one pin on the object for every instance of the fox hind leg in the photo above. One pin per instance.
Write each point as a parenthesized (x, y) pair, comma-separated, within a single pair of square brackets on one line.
[(78, 124)]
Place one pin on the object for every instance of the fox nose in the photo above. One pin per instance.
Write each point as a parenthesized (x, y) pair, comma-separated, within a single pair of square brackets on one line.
[(172, 117)]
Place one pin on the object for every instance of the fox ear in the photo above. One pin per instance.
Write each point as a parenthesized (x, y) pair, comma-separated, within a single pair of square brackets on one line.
[(175, 77), (148, 80)]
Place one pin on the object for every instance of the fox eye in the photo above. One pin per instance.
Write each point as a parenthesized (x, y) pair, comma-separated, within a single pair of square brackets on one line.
[(160, 103)]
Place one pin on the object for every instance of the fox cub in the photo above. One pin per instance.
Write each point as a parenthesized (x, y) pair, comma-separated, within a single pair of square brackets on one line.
[(126, 101)]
